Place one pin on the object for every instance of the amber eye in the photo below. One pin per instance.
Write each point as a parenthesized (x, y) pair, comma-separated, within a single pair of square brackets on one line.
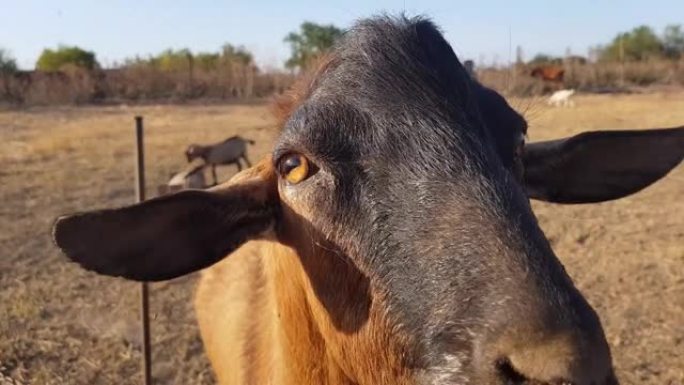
[(294, 168)]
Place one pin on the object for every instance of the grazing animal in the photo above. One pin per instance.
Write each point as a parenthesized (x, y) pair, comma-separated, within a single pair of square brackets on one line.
[(230, 151), (561, 98), (548, 73), (388, 238), (190, 178)]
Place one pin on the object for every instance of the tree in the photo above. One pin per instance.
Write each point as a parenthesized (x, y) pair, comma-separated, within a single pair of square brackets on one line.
[(640, 43), (311, 41), (7, 63), (542, 58), (207, 61), (171, 60), (673, 41), (55, 60), (239, 54), (238, 71), (180, 60)]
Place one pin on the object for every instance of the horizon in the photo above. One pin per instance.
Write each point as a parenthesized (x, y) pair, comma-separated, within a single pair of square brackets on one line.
[(487, 33)]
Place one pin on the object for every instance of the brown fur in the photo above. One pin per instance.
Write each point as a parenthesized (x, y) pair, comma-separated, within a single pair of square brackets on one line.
[(549, 73), (269, 314), (262, 321)]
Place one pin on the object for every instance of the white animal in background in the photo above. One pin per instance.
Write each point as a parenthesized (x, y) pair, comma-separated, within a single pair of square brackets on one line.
[(561, 98), (190, 178)]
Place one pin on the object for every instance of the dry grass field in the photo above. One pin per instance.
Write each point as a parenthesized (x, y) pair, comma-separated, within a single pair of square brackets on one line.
[(62, 325)]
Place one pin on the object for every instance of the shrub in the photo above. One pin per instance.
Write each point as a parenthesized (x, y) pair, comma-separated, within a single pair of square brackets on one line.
[(54, 60)]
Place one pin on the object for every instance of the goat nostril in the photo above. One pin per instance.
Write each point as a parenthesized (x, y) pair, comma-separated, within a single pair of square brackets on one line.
[(508, 374)]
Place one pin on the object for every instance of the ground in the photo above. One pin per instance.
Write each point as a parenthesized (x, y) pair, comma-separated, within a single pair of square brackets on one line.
[(62, 325)]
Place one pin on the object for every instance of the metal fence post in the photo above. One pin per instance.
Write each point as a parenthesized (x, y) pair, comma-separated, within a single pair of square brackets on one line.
[(144, 290)]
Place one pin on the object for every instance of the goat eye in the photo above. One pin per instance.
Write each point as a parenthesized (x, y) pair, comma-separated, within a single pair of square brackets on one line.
[(294, 168)]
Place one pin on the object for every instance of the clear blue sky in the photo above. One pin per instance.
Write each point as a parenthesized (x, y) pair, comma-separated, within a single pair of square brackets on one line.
[(117, 29)]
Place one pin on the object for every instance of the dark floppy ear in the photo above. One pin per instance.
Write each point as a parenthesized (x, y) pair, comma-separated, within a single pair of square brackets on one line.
[(174, 235), (601, 165)]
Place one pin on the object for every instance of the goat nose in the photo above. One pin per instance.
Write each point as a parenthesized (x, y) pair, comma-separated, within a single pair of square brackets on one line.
[(558, 360)]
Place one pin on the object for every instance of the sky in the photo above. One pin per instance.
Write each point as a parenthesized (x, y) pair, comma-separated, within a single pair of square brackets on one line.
[(485, 31)]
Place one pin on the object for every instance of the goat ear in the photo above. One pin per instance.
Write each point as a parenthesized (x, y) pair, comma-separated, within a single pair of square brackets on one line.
[(174, 235), (601, 165)]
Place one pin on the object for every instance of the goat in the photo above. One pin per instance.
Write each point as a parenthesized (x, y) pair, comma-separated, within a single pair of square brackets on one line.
[(561, 98), (548, 73), (388, 237), (190, 178), (229, 151)]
